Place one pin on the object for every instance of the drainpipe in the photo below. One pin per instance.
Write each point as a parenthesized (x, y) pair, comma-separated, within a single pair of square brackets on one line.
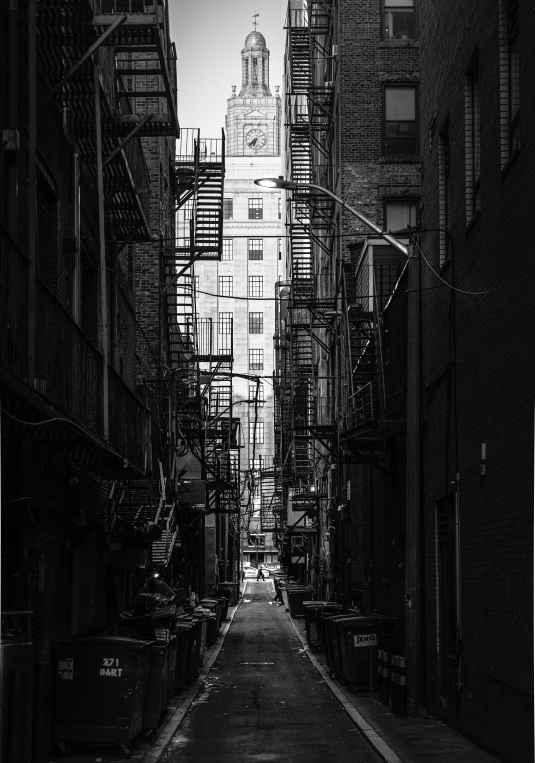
[(102, 263), (12, 160), (412, 509), (32, 184)]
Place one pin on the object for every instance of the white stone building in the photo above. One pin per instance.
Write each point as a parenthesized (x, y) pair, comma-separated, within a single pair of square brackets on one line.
[(242, 286)]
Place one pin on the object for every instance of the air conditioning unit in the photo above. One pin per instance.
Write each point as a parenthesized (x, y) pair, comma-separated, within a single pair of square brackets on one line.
[(329, 83), (335, 50)]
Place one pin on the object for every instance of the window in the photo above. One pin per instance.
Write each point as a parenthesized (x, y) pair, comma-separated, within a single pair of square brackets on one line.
[(227, 209), (256, 286), (280, 248), (225, 286), (509, 79), (400, 125), (196, 285), (256, 248), (280, 208), (256, 463), (256, 323), (399, 19), (225, 331), (444, 194), (256, 209), (255, 71), (256, 432), (221, 398), (472, 133), (256, 360), (228, 249), (400, 214), (256, 395)]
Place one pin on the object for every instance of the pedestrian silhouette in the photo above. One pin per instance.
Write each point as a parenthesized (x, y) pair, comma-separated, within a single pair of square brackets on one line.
[(260, 575)]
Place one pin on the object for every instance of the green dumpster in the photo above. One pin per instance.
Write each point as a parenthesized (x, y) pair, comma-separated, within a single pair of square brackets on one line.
[(358, 639), (99, 688)]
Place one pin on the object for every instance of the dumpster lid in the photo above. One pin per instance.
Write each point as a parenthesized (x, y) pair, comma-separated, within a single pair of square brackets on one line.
[(103, 639)]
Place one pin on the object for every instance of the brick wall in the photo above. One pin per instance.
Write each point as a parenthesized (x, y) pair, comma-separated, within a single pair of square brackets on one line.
[(486, 395)]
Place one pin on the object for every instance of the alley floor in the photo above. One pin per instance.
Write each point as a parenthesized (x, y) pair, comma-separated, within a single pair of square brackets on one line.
[(264, 701)]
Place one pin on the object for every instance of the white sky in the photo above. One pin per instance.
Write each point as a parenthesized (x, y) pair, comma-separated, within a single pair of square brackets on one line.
[(209, 36)]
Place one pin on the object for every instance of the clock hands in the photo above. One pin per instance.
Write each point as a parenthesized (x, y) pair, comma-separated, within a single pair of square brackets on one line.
[(253, 142)]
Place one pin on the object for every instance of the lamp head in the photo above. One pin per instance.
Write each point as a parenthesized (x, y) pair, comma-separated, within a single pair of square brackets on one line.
[(279, 182)]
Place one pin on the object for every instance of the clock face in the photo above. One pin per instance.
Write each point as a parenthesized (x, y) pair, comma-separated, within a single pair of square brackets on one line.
[(255, 139)]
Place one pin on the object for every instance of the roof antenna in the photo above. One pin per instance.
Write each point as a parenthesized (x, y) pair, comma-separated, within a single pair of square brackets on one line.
[(255, 22)]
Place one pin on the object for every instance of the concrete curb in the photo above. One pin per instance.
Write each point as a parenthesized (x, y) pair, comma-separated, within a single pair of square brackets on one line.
[(166, 733), (372, 737)]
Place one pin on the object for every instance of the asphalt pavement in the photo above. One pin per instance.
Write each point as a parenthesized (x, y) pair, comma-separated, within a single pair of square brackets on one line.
[(263, 701)]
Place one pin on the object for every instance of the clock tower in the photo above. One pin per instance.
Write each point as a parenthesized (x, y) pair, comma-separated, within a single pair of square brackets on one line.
[(253, 121)]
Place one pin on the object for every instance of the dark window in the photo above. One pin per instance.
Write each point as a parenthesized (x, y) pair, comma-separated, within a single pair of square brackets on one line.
[(400, 120), (256, 323), (399, 18), (280, 208), (514, 73), (256, 248), (255, 71), (227, 209), (472, 141), (256, 209), (444, 194), (400, 214), (225, 332)]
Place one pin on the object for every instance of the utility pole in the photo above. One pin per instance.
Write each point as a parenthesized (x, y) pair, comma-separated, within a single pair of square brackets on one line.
[(412, 509)]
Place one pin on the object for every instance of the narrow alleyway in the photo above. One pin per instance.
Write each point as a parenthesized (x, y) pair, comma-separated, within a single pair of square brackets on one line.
[(264, 700)]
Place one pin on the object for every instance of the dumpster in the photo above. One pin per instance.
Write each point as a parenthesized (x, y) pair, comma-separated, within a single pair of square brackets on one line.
[(296, 596), (99, 690), (313, 620), (331, 642), (230, 590), (358, 639), (156, 697), (195, 645), (329, 609)]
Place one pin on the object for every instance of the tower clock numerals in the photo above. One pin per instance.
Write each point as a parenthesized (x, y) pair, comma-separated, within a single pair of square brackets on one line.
[(255, 139)]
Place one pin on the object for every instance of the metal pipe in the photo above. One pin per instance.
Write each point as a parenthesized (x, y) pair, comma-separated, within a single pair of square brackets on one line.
[(102, 263), (12, 160), (32, 183)]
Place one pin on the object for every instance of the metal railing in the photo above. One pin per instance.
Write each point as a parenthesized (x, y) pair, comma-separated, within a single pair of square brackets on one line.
[(361, 406), (68, 368), (129, 421), (13, 307)]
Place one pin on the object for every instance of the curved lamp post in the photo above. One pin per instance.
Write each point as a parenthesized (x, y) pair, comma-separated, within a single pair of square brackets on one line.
[(412, 526), (290, 185)]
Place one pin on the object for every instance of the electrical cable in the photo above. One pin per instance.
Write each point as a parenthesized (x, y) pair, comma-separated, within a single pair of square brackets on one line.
[(464, 291)]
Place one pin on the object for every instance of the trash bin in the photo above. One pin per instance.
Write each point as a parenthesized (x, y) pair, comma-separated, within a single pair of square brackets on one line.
[(296, 596), (329, 609), (99, 689), (331, 642), (231, 589), (358, 638), (156, 696), (314, 622), (223, 603)]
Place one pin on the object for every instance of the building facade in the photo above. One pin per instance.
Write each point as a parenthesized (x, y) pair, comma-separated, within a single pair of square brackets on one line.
[(237, 294), (393, 362)]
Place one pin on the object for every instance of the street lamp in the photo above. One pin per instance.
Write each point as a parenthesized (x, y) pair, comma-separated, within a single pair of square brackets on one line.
[(412, 495), (290, 185)]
